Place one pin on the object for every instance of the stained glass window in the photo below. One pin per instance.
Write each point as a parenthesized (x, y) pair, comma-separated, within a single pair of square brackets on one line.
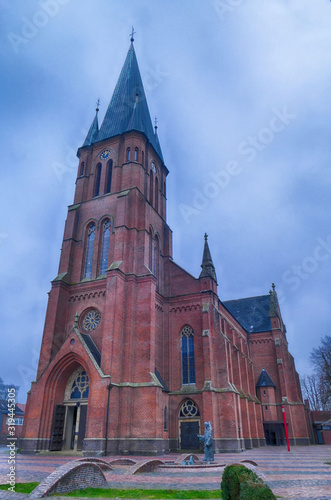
[(105, 247), (109, 175), (189, 409), (91, 320), (188, 368), (80, 386), (97, 179), (89, 251)]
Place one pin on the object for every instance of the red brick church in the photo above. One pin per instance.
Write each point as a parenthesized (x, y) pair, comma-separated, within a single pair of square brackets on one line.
[(136, 352)]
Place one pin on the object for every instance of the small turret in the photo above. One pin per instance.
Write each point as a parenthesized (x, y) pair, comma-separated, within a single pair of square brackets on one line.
[(208, 269)]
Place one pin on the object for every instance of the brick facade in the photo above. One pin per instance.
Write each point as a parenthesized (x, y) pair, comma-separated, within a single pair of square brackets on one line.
[(140, 305)]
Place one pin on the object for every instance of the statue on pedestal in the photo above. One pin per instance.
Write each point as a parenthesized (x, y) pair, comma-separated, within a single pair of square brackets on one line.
[(209, 442)]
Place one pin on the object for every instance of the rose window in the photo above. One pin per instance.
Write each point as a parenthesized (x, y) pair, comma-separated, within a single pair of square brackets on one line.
[(91, 320)]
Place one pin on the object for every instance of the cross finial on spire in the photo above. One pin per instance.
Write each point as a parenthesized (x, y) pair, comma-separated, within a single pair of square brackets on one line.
[(155, 123), (98, 104), (206, 236), (273, 286), (132, 35)]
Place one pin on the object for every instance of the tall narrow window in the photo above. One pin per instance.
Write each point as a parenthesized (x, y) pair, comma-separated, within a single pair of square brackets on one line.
[(97, 179), (82, 168), (109, 175), (105, 247), (128, 154), (151, 249), (142, 158), (136, 154), (89, 251), (188, 368), (156, 193), (151, 187), (156, 256), (165, 419)]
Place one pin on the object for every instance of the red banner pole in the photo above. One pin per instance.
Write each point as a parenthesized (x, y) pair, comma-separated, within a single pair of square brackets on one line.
[(285, 425)]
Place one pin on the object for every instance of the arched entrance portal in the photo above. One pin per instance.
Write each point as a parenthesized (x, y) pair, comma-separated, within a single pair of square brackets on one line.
[(69, 421), (189, 425)]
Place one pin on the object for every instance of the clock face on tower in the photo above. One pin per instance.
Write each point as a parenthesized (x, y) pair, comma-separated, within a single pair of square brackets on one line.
[(105, 155)]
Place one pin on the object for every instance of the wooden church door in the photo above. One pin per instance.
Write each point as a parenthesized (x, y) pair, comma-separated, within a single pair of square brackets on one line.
[(58, 428), (189, 426), (189, 435)]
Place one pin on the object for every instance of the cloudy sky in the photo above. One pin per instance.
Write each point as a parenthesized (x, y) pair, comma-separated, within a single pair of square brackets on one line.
[(241, 90)]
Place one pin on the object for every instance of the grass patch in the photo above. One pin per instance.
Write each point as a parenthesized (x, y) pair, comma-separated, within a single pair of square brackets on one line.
[(20, 487), (148, 494)]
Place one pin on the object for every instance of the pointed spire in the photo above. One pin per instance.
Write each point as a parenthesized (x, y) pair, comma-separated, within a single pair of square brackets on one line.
[(128, 109), (208, 269), (273, 307), (94, 128)]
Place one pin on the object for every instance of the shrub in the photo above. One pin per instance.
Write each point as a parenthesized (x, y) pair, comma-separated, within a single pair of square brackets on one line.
[(240, 483), (233, 475), (255, 491)]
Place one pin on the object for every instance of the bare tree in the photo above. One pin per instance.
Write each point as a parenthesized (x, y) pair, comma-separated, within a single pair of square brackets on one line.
[(320, 358), (312, 389)]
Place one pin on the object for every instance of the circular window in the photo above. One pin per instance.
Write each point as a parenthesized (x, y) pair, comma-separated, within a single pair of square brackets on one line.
[(91, 320)]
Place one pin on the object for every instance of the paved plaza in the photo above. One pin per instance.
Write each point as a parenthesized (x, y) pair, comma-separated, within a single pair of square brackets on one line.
[(300, 473)]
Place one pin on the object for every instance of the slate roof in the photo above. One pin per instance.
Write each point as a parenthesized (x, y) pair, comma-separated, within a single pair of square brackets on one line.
[(128, 109), (93, 348), (265, 380), (162, 382), (252, 313), (93, 132)]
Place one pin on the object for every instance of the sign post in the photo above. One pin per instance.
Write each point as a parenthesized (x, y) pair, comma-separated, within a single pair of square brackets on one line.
[(285, 425)]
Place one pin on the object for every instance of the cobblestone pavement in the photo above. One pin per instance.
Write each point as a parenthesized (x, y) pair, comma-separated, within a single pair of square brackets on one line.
[(300, 473)]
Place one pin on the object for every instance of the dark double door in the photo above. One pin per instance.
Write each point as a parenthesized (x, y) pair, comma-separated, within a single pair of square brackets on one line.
[(189, 431), (65, 419)]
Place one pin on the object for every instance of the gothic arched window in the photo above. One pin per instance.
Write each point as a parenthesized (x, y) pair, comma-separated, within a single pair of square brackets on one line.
[(187, 348), (82, 168), (156, 256), (80, 386), (109, 175), (156, 193), (128, 154), (165, 419), (105, 246), (151, 249), (136, 154), (97, 180), (151, 187), (189, 410), (89, 251)]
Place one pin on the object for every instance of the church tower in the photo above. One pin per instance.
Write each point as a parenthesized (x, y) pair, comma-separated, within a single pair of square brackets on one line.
[(136, 352), (101, 311)]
